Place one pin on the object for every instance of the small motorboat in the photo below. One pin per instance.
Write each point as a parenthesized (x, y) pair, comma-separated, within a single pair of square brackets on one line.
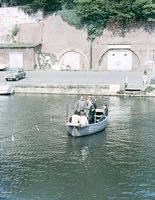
[(100, 123), (6, 89), (3, 67)]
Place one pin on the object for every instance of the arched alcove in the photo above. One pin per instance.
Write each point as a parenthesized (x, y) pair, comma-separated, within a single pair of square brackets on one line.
[(119, 59), (73, 60)]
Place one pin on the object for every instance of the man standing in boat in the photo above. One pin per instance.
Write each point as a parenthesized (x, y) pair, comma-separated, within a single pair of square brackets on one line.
[(91, 114), (81, 104)]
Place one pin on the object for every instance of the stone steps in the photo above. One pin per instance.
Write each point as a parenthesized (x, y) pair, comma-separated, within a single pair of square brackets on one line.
[(133, 90)]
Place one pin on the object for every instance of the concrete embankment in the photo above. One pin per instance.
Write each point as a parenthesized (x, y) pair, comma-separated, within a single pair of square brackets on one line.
[(72, 89)]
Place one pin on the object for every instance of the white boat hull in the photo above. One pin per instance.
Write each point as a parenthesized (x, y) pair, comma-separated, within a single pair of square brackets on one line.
[(6, 90), (76, 130)]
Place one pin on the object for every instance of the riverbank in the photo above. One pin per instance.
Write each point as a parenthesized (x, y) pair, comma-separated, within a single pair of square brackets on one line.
[(78, 82), (97, 90), (72, 89)]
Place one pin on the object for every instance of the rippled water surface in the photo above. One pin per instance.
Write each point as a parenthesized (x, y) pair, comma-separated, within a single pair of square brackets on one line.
[(39, 161)]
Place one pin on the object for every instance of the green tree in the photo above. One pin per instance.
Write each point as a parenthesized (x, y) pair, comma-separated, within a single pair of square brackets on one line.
[(94, 15), (48, 6), (98, 14), (7, 3), (68, 4)]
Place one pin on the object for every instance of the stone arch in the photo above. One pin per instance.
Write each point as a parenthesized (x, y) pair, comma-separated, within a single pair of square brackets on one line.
[(102, 64), (73, 60)]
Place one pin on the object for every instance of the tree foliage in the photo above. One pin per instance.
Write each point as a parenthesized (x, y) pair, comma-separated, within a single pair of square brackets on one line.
[(95, 15), (48, 6), (98, 14), (7, 3)]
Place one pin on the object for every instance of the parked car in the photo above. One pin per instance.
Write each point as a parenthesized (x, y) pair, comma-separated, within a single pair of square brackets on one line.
[(15, 74)]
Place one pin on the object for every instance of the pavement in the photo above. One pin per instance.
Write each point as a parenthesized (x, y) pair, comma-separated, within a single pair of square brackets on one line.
[(50, 77)]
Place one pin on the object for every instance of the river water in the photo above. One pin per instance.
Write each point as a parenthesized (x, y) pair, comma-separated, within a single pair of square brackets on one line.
[(39, 161)]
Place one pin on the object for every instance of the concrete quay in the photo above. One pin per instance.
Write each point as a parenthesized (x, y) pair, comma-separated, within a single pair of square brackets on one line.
[(73, 89), (75, 82)]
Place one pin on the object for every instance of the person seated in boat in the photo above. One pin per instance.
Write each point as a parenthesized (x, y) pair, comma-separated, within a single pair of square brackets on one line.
[(83, 118), (91, 114), (75, 118), (81, 104)]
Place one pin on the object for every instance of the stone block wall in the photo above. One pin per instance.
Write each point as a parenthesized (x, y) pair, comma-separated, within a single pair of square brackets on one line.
[(9, 16), (68, 46)]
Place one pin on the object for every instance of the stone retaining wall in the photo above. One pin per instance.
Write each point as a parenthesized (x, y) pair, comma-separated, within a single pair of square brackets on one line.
[(68, 89)]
